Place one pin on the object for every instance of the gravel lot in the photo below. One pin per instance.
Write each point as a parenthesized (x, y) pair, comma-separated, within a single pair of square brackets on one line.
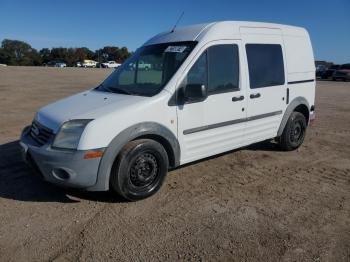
[(253, 204)]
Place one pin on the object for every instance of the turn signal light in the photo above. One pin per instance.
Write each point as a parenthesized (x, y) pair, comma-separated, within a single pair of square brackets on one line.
[(94, 154)]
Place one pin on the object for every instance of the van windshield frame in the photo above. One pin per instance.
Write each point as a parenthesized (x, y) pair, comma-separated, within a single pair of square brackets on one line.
[(148, 70)]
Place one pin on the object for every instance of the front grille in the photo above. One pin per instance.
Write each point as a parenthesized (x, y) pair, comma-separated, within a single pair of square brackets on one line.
[(41, 134)]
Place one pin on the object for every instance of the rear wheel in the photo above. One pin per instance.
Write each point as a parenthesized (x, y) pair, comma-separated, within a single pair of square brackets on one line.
[(294, 132), (139, 170)]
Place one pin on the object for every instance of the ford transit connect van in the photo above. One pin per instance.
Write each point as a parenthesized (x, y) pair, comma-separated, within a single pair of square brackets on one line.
[(210, 88)]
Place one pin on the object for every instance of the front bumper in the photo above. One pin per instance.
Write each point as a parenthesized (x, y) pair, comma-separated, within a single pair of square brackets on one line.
[(66, 168)]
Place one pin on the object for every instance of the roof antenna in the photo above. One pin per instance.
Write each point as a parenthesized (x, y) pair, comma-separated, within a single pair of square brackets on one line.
[(178, 20)]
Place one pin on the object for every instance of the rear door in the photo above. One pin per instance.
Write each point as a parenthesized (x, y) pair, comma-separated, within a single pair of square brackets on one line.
[(267, 85), (217, 124)]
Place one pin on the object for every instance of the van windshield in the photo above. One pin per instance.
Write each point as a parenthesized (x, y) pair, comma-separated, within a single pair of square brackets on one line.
[(147, 71)]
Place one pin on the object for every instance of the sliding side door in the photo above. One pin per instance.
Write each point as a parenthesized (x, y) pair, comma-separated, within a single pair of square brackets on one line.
[(267, 88)]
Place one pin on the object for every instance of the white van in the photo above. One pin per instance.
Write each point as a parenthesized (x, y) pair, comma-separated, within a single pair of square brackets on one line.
[(211, 88)]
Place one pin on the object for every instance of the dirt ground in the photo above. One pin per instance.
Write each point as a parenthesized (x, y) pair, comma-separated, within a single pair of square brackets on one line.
[(254, 204)]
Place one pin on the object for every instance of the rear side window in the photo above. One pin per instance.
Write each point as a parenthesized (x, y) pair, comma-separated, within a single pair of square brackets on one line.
[(223, 63), (265, 63)]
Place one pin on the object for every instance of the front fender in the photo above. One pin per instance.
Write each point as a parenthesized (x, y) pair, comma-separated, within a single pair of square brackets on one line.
[(129, 134)]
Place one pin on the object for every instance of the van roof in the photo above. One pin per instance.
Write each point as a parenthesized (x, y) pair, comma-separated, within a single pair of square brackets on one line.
[(221, 30)]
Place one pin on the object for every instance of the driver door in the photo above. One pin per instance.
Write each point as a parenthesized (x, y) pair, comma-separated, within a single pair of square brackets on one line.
[(216, 124)]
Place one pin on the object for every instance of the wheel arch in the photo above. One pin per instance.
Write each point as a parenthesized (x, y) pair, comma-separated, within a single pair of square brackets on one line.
[(302, 108), (149, 130), (298, 104)]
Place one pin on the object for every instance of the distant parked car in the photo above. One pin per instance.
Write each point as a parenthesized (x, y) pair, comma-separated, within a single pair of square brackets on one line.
[(141, 66), (3, 65), (144, 66), (50, 63), (110, 64), (343, 73), (329, 72), (89, 63), (79, 64), (61, 65), (320, 70)]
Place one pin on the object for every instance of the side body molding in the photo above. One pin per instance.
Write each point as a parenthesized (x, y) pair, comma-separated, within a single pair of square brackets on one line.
[(146, 129), (292, 105)]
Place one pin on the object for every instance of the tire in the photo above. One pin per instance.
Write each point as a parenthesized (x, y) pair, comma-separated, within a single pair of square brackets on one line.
[(294, 132), (139, 170)]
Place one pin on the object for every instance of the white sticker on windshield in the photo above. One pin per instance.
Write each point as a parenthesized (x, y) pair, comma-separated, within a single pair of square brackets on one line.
[(175, 49)]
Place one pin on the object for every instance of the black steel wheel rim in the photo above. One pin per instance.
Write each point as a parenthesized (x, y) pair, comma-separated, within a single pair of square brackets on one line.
[(297, 131), (144, 170)]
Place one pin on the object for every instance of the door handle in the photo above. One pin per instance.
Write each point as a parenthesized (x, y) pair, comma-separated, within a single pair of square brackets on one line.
[(237, 98), (257, 95)]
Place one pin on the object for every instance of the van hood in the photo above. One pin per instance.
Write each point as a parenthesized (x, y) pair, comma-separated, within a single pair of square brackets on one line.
[(87, 105)]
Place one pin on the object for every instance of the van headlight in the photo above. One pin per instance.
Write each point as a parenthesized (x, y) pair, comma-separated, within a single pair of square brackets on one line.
[(69, 134)]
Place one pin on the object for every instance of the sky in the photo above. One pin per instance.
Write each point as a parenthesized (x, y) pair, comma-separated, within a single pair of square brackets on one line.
[(94, 24)]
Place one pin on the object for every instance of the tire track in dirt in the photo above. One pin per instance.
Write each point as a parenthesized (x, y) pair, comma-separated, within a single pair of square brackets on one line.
[(76, 236)]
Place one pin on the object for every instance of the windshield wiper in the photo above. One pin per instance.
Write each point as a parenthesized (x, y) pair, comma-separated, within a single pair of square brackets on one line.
[(119, 90), (115, 90)]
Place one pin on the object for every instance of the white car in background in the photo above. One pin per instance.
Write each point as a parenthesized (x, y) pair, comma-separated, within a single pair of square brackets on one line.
[(144, 66), (141, 65), (60, 64), (3, 65), (110, 64), (89, 63)]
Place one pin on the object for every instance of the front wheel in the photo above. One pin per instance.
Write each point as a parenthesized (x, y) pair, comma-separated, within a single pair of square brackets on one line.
[(139, 170), (294, 132)]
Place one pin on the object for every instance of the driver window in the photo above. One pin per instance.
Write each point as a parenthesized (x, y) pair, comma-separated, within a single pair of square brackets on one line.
[(198, 72), (217, 68)]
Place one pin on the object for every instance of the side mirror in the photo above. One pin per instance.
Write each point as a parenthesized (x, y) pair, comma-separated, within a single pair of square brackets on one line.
[(194, 93)]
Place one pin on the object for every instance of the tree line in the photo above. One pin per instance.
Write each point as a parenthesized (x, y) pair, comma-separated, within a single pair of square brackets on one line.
[(15, 52)]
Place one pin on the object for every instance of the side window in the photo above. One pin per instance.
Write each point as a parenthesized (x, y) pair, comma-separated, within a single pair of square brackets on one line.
[(223, 64), (198, 72), (265, 63)]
